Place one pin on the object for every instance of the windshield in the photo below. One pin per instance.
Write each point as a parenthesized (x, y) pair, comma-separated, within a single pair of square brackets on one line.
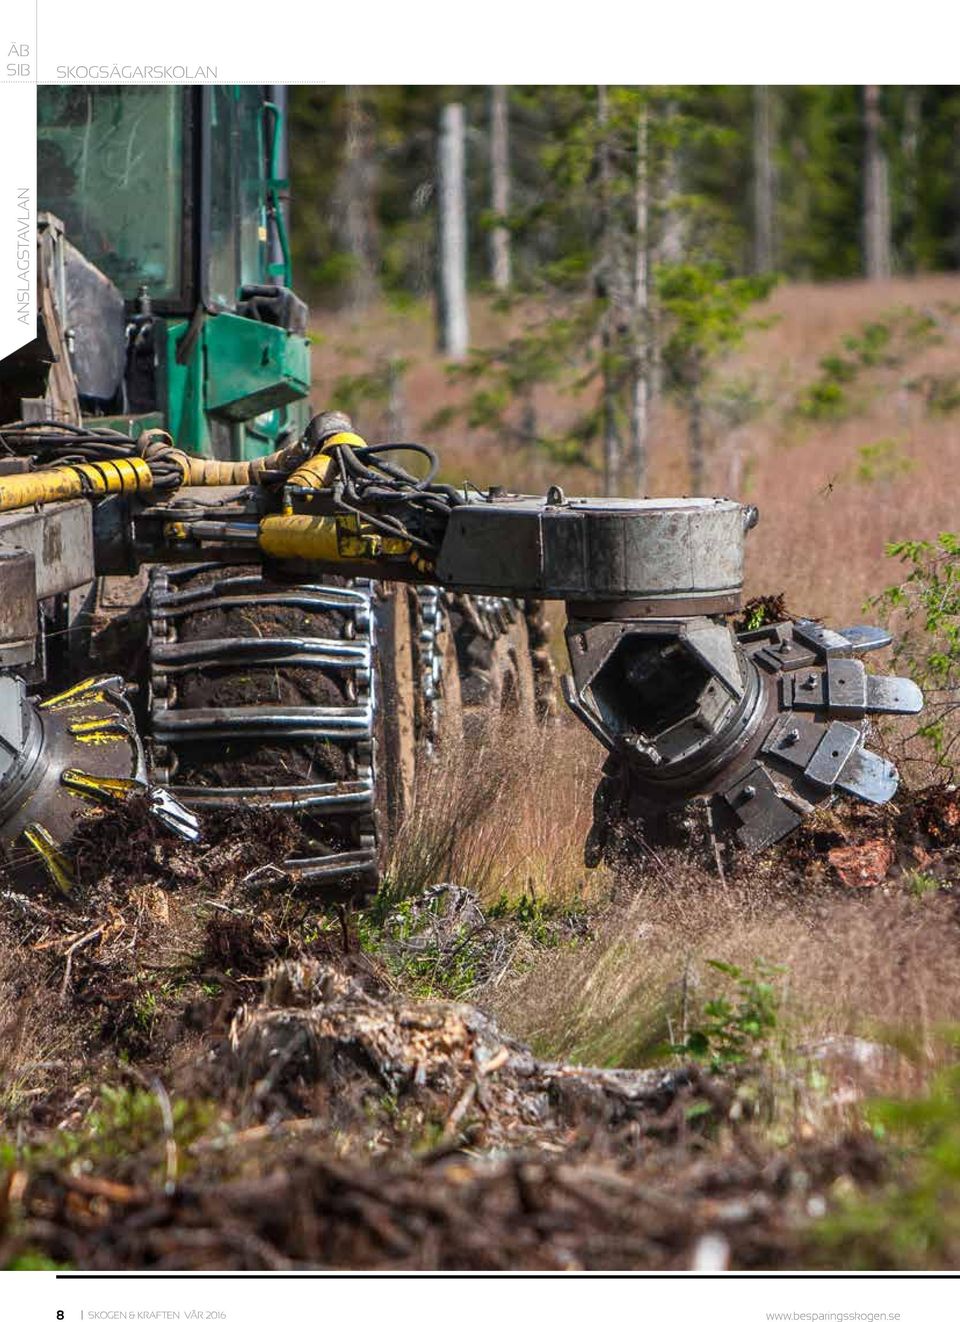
[(237, 192), (110, 166)]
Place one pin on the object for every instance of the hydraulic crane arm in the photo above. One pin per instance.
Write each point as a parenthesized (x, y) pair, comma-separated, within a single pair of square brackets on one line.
[(764, 725)]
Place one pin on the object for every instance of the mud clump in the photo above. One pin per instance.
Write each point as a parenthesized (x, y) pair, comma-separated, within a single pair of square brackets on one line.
[(533, 1212), (515, 1162), (864, 845)]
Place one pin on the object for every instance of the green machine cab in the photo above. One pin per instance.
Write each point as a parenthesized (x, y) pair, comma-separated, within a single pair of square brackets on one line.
[(172, 200)]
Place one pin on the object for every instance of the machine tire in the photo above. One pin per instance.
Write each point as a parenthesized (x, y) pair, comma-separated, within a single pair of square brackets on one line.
[(395, 767), (496, 668), (342, 835)]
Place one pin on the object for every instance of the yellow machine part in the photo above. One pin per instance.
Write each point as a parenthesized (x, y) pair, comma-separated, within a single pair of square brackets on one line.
[(106, 476), (93, 689), (200, 472), (314, 473), (103, 789), (52, 857), (299, 537), (99, 729), (328, 538)]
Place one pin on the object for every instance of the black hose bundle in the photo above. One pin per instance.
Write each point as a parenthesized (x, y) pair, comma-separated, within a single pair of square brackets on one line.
[(404, 502), (54, 444)]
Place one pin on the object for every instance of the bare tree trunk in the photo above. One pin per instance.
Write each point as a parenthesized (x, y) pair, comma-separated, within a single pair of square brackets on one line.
[(910, 150), (671, 243), (454, 331), (876, 191), (396, 412), (529, 428), (640, 359), (500, 271), (669, 240), (695, 437), (608, 279), (763, 180), (355, 202)]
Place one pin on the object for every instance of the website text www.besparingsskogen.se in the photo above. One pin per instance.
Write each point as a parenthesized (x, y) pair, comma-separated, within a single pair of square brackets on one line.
[(810, 1316)]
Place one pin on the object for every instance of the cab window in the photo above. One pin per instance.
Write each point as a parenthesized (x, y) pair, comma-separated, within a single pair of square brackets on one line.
[(238, 191), (110, 166)]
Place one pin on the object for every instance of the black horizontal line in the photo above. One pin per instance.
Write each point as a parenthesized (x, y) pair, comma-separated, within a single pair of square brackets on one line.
[(415, 1275)]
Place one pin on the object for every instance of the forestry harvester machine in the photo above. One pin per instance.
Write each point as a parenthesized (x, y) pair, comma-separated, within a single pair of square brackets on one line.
[(210, 598)]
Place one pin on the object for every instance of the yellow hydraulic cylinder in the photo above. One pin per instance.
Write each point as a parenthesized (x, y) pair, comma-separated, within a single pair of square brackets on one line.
[(20, 490), (313, 473), (299, 537), (339, 538)]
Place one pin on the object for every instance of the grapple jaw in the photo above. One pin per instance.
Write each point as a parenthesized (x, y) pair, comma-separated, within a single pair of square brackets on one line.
[(819, 698), (765, 725)]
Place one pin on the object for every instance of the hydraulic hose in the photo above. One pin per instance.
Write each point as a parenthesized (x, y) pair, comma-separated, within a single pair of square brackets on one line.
[(156, 445)]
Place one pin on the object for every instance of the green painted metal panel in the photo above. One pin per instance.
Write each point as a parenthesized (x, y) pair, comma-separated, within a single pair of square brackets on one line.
[(238, 371), (184, 390), (252, 367), (130, 424)]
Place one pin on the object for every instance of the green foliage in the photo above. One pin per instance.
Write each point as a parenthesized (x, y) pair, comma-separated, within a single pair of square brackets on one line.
[(928, 601), (920, 884), (887, 342), (405, 940), (145, 1010), (871, 347), (537, 917), (881, 462), (433, 957), (704, 311), (123, 1125), (824, 401), (913, 1222), (756, 618), (940, 392), (585, 336), (738, 1028), (30, 1261), (736, 401), (818, 153), (368, 395), (557, 351)]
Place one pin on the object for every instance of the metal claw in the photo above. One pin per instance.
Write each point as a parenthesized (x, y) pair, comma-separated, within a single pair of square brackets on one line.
[(867, 637), (869, 777), (893, 695), (174, 816)]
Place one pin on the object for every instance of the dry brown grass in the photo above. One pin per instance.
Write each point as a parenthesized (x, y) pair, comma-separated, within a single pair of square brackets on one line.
[(882, 965), (510, 817), (36, 1041), (507, 817)]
